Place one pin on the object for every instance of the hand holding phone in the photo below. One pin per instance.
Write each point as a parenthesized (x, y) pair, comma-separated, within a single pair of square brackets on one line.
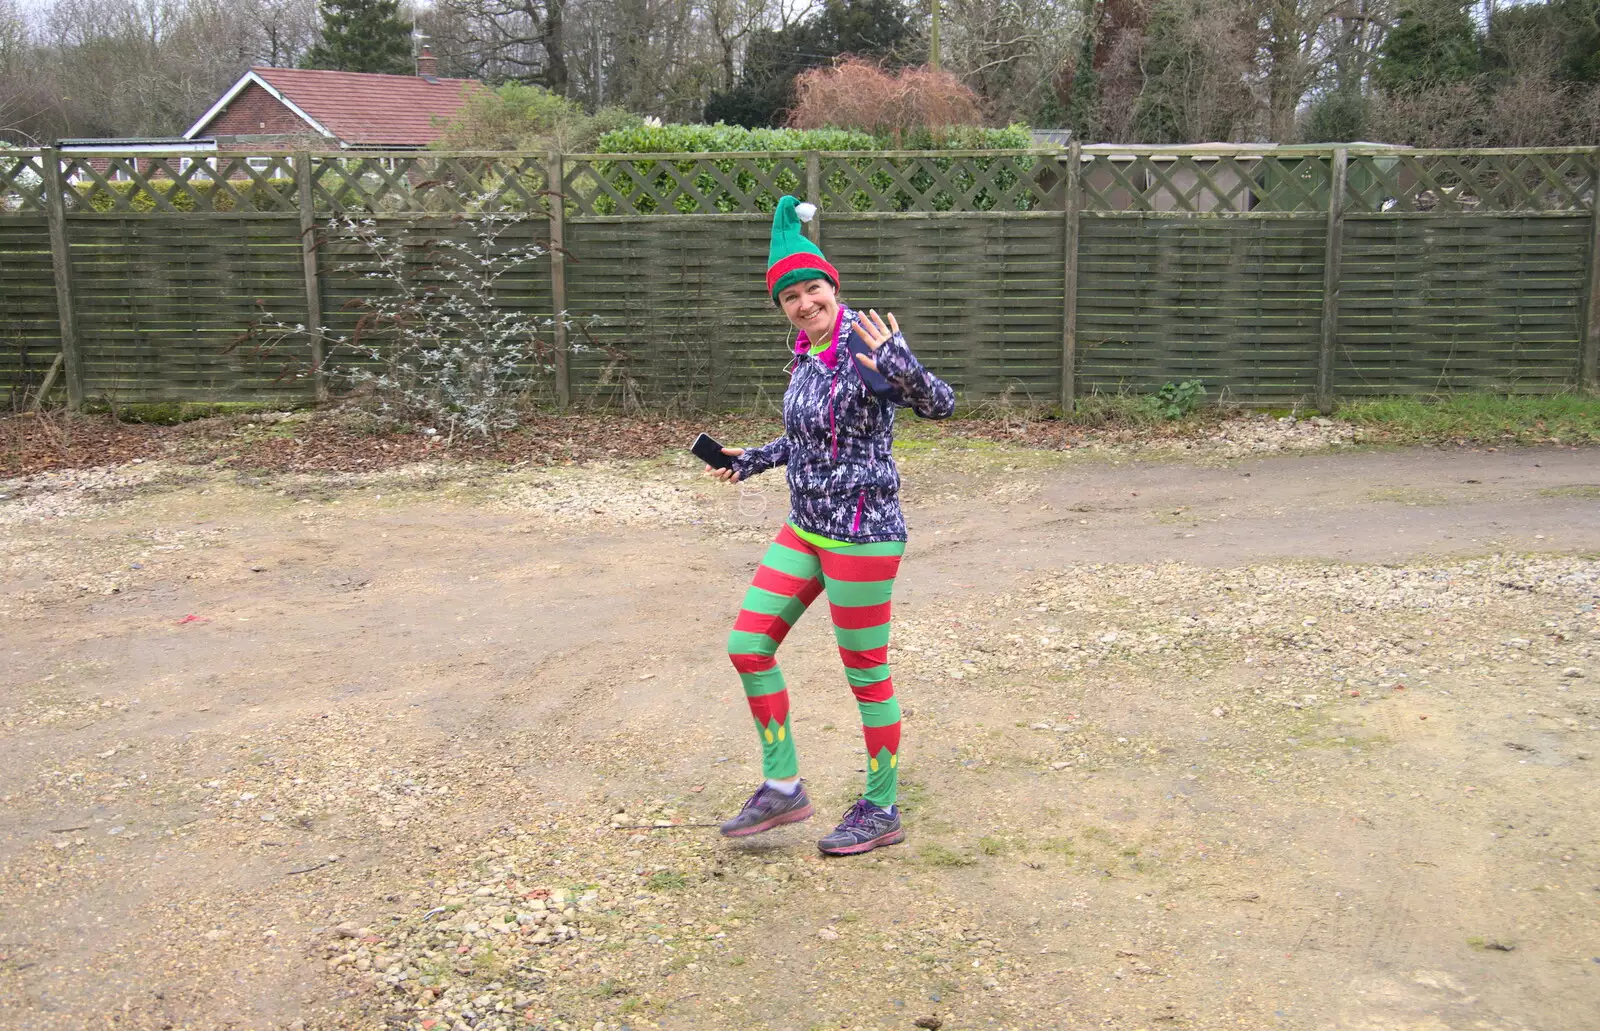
[(718, 459)]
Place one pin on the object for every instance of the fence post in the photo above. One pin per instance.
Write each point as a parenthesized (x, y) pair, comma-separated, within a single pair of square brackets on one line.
[(555, 181), (61, 262), (1071, 205), (814, 194), (308, 268), (1589, 360), (1330, 280)]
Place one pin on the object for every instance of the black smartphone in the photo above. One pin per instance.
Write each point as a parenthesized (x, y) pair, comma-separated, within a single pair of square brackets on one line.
[(710, 452)]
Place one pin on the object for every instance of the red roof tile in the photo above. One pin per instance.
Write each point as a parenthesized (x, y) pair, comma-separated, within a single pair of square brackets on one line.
[(372, 110)]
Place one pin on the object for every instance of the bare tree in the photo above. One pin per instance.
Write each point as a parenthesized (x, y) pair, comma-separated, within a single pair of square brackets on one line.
[(286, 30), (1012, 52), (523, 40), (730, 23)]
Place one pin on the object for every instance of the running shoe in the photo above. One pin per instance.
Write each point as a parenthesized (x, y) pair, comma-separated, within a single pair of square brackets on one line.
[(864, 828), (766, 809)]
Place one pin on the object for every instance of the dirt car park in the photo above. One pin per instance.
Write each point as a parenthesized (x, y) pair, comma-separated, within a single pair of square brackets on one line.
[(1295, 736)]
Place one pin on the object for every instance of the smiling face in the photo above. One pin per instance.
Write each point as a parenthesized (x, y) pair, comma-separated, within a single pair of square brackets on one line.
[(811, 305)]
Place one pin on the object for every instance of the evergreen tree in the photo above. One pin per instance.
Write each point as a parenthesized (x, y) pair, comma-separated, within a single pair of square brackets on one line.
[(1433, 43), (362, 36), (1084, 90), (865, 28), (1579, 22)]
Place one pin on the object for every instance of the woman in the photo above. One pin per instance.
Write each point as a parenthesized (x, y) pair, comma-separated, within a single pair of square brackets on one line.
[(844, 535)]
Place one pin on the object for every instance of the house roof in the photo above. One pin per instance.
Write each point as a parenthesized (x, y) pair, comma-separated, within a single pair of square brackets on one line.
[(109, 143), (356, 108)]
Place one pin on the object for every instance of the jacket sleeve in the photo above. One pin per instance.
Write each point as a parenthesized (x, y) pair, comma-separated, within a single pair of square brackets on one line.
[(920, 390), (760, 459)]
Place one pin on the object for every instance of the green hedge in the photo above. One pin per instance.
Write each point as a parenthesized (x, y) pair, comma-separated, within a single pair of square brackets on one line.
[(700, 139), (256, 196), (680, 139)]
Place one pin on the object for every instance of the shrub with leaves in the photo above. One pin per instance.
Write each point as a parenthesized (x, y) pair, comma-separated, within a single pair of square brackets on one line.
[(432, 340), (528, 118), (1175, 400)]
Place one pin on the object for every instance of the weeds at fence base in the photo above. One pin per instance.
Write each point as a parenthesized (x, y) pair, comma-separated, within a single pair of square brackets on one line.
[(172, 413), (1567, 418)]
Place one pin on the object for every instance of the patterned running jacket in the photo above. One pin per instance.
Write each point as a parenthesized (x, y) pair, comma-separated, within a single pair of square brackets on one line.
[(843, 483)]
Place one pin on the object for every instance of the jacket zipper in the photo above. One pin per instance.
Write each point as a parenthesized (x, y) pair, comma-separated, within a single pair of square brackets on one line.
[(861, 505), (833, 429)]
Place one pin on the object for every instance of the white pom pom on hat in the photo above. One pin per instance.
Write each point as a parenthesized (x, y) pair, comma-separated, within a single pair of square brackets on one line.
[(806, 211)]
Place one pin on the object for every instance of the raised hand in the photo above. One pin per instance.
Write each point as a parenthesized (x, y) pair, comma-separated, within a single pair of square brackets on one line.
[(874, 333)]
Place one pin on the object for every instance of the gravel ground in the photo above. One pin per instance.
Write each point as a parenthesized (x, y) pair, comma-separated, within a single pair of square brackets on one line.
[(348, 441), (438, 746)]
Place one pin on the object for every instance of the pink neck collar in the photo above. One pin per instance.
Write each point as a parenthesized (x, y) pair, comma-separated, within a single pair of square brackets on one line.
[(829, 355)]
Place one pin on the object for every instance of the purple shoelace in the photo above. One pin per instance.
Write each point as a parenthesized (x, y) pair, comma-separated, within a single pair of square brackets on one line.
[(857, 816)]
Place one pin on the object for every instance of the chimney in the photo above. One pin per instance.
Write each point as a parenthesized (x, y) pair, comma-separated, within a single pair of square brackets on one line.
[(427, 64)]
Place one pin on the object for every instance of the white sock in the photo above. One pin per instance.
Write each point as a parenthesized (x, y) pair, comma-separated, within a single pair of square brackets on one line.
[(788, 787)]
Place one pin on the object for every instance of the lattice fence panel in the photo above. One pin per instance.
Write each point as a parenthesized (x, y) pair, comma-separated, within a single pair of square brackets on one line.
[(957, 182), (1460, 303), (1234, 304), (177, 185), (1205, 184), (697, 185), (430, 184), (30, 330), (1550, 181), (162, 301), (21, 182)]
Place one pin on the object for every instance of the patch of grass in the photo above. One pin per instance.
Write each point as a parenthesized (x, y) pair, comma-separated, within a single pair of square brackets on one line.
[(939, 855), (993, 846), (489, 964), (1491, 418), (1408, 496), (610, 988), (913, 795), (1099, 835), (1062, 846), (1581, 491), (666, 880)]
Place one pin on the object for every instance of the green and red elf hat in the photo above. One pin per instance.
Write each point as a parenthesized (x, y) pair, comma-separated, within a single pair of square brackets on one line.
[(792, 258)]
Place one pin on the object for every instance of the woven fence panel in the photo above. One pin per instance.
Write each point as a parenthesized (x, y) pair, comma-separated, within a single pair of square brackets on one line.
[(1236, 304), (418, 254), (162, 300), (30, 329), (979, 298), (673, 312), (1460, 303)]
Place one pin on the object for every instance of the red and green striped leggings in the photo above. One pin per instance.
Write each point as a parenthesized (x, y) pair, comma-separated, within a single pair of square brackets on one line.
[(858, 578)]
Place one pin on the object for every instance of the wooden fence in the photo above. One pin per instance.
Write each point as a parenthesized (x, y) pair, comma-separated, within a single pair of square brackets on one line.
[(1271, 274)]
